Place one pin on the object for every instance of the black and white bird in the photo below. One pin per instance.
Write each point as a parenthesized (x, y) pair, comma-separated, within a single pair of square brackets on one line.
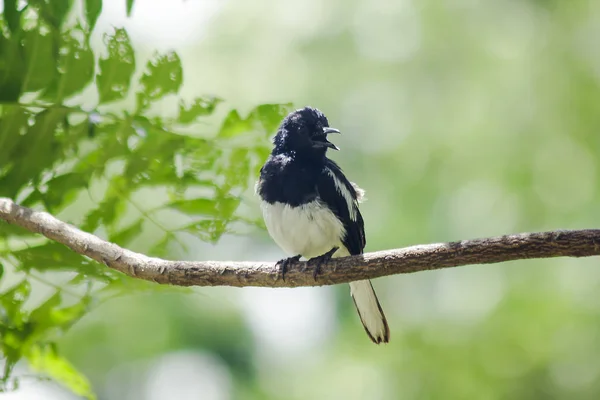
[(311, 209)]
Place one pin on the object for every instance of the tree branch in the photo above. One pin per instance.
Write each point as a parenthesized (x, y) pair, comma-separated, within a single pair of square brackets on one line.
[(560, 243)]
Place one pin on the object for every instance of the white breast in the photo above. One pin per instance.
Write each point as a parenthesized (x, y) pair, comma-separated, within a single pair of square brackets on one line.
[(309, 230)]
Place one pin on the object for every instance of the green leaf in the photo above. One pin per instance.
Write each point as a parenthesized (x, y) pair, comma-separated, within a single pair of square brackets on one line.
[(12, 71), (270, 116), (39, 54), (45, 359), (117, 68), (111, 143), (11, 302), (74, 67), (209, 230), (163, 76), (12, 15), (12, 230), (126, 235), (1, 270), (43, 314), (93, 8), (107, 212), (265, 118), (56, 11), (223, 206), (161, 249), (13, 120), (238, 170), (129, 7), (227, 204), (50, 315), (53, 256), (219, 210), (234, 125), (200, 107), (62, 190), (196, 206), (37, 146), (13, 323)]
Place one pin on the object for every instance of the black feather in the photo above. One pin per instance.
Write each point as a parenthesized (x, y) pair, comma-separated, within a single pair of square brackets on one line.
[(285, 179), (354, 239)]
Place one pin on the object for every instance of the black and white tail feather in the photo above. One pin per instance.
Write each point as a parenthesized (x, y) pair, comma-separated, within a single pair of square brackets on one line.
[(310, 207), (362, 292)]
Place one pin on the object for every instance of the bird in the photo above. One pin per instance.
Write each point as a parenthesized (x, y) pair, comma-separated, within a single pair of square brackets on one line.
[(311, 209)]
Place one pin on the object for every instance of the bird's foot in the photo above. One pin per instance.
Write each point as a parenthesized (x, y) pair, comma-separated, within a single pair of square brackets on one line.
[(320, 260), (283, 264)]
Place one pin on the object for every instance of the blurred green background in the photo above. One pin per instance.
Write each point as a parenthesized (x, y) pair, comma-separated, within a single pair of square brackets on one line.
[(460, 119)]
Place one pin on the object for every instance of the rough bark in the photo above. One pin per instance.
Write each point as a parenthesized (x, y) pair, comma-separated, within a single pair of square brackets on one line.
[(560, 243)]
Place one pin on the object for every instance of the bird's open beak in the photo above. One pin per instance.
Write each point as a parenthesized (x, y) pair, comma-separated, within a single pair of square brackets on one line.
[(324, 142)]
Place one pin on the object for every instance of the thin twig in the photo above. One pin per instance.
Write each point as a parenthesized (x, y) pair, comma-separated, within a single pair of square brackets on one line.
[(560, 243)]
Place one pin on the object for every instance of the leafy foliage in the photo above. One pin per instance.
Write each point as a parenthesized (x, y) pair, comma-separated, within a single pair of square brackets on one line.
[(117, 68), (55, 153)]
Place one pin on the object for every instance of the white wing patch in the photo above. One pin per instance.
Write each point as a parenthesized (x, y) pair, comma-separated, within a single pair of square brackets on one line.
[(360, 193), (351, 203), (257, 186)]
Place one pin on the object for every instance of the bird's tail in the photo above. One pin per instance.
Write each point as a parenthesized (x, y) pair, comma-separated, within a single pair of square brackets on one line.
[(370, 312)]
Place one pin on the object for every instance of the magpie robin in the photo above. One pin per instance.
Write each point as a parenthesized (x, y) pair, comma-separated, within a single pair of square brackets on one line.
[(311, 209)]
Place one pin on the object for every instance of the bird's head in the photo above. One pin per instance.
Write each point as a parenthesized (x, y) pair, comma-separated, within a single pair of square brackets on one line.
[(304, 131)]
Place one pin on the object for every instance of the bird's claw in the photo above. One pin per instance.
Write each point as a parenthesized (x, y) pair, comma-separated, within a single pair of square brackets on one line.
[(320, 260), (283, 264)]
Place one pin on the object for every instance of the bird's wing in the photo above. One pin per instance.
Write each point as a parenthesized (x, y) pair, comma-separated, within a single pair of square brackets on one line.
[(342, 198)]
